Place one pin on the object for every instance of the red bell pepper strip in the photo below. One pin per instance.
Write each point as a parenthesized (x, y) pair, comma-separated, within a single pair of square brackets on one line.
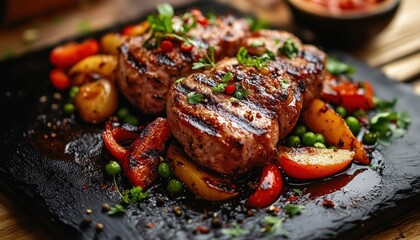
[(113, 135), (350, 95), (269, 188), (141, 165), (69, 54)]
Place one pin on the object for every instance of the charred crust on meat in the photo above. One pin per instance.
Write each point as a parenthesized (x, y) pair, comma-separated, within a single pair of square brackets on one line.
[(301, 85), (201, 78), (239, 77), (200, 124), (132, 60), (187, 57), (165, 60)]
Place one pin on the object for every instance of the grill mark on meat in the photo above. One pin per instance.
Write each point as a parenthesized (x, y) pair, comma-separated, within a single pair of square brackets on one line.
[(311, 57), (203, 79), (186, 56), (132, 60), (165, 60), (259, 108), (199, 124), (214, 105)]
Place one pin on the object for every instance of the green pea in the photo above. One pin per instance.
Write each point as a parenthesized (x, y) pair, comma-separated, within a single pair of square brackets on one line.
[(292, 141), (308, 139), (319, 145), (341, 110), (319, 138), (69, 108), (353, 124), (174, 186), (131, 120), (112, 168), (123, 113), (370, 138), (73, 91), (299, 130), (164, 170)]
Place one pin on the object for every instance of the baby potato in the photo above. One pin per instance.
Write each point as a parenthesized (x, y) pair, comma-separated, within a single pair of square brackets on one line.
[(111, 42), (102, 65), (96, 101)]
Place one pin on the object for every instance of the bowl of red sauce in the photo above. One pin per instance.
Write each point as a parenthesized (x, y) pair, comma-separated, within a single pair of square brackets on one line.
[(344, 23)]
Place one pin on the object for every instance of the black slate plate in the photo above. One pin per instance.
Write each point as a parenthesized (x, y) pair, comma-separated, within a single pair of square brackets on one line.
[(61, 180)]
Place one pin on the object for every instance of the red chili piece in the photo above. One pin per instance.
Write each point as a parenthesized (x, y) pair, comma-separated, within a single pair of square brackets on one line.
[(69, 54), (269, 188), (199, 17), (203, 229), (328, 203), (230, 89), (166, 46)]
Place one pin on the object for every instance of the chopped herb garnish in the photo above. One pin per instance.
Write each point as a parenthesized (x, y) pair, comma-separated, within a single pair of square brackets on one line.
[(257, 43), (180, 80), (254, 61), (227, 77), (388, 124), (118, 208), (285, 84), (275, 225), (211, 16), (206, 61), (236, 231), (194, 98), (240, 93), (289, 48), (220, 87), (337, 67), (384, 105), (298, 191), (233, 99), (165, 9), (256, 24), (134, 195), (293, 209)]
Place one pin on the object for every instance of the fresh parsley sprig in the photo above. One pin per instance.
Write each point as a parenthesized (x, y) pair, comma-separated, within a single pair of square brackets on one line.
[(254, 61), (194, 98), (275, 225), (206, 61), (293, 209), (220, 87), (337, 67), (289, 48), (256, 24)]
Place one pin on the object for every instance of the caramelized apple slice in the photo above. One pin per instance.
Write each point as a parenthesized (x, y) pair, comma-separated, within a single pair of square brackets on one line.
[(203, 184), (310, 162)]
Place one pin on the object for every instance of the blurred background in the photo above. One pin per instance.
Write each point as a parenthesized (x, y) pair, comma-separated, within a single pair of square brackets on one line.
[(392, 46)]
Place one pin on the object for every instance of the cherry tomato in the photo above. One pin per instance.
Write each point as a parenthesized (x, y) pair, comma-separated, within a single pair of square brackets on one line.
[(166, 46), (128, 30), (269, 188), (199, 17), (230, 89), (71, 53), (59, 79)]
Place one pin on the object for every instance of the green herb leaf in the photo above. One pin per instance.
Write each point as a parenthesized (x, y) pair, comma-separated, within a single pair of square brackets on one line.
[(165, 9), (384, 105), (134, 195), (240, 92), (275, 225), (388, 124), (293, 209), (117, 209), (194, 98), (298, 191), (254, 61), (256, 24), (289, 48), (336, 67), (227, 77), (236, 231), (219, 88), (206, 61)]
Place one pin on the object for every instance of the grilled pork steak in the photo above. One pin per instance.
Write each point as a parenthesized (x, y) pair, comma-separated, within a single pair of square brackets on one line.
[(144, 75), (233, 136)]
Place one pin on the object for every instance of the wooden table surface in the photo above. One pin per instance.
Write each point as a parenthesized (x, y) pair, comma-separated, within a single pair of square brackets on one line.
[(396, 51)]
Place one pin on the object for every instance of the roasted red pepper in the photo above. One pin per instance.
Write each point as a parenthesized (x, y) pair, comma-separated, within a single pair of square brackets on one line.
[(69, 54), (115, 134), (269, 188), (141, 165), (350, 95)]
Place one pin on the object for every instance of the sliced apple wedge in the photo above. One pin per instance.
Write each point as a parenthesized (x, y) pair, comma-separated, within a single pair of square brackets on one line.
[(311, 163), (203, 184)]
